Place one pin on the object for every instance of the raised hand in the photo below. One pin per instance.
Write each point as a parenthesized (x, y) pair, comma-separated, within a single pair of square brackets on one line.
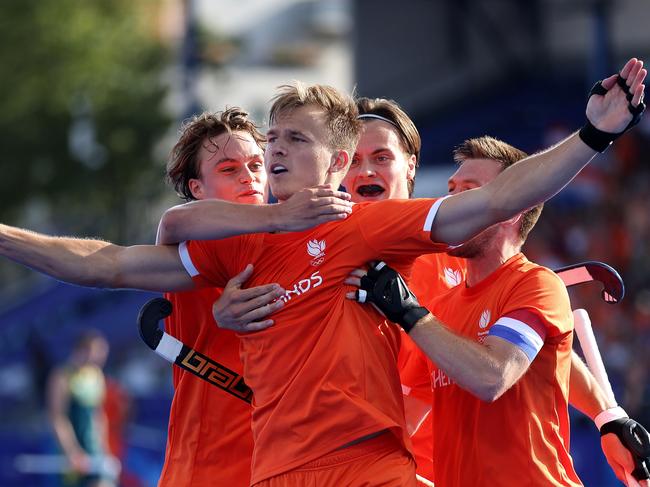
[(610, 110), (243, 310)]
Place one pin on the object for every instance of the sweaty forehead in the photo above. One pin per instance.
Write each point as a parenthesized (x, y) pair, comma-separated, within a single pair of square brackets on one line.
[(477, 171), (306, 117), (377, 134), (235, 145)]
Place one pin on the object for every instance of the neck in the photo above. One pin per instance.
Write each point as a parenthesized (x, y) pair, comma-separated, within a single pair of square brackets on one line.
[(478, 268)]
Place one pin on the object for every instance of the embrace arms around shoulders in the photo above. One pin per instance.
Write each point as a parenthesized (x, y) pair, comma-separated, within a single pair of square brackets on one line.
[(212, 219)]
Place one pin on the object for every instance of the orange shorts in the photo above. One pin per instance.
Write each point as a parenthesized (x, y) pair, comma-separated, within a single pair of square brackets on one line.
[(378, 461)]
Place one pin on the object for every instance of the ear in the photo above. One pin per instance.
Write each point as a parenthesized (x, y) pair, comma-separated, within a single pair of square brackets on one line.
[(410, 172), (196, 187), (340, 161)]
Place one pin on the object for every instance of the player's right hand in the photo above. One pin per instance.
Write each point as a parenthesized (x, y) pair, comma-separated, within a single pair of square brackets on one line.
[(243, 310), (619, 454), (80, 462), (310, 207), (610, 112)]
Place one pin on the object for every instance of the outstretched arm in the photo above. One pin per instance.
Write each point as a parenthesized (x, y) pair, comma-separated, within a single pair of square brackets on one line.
[(96, 263), (217, 219), (537, 178)]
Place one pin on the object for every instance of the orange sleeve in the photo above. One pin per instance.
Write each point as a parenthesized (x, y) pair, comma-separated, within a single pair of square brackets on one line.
[(395, 228), (208, 261), (542, 292)]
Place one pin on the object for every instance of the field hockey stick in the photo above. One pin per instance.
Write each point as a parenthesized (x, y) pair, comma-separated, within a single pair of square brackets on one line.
[(634, 436), (613, 287), (185, 357)]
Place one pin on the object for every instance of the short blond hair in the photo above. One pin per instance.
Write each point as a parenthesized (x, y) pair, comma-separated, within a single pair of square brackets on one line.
[(487, 147), (340, 111)]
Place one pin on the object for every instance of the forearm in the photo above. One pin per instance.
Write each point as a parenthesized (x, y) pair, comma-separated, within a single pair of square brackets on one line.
[(214, 220), (65, 435), (96, 263), (584, 392), (78, 261), (475, 367), (521, 186), (537, 178)]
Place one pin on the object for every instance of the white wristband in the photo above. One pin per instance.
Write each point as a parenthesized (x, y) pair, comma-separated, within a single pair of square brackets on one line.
[(609, 415)]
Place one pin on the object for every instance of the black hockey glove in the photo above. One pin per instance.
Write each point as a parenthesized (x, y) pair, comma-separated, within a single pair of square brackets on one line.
[(599, 140), (636, 439), (385, 288)]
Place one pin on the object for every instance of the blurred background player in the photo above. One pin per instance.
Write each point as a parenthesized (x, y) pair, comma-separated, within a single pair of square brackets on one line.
[(75, 399)]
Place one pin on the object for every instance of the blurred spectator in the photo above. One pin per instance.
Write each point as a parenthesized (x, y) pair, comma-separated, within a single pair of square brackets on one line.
[(75, 398)]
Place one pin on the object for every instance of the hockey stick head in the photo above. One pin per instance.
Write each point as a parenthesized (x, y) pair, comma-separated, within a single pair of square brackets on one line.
[(150, 314), (613, 287)]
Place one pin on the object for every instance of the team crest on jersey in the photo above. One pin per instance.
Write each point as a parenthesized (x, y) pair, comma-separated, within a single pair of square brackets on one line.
[(452, 277), (483, 322), (316, 248)]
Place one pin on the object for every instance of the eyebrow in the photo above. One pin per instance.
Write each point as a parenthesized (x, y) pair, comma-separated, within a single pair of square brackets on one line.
[(289, 131), (245, 158), (464, 181), (382, 149)]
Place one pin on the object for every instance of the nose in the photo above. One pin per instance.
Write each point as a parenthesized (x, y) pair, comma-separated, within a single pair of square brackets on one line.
[(247, 176), (366, 168), (277, 148)]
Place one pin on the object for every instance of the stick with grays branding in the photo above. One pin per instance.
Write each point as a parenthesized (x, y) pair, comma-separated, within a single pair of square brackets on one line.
[(176, 352), (185, 357)]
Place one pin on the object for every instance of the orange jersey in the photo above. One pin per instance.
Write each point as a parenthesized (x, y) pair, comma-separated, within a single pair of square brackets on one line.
[(522, 438), (325, 374), (432, 275), (209, 438)]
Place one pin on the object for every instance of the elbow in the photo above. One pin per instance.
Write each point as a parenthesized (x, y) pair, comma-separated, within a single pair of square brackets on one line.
[(490, 394), (491, 389), (170, 222)]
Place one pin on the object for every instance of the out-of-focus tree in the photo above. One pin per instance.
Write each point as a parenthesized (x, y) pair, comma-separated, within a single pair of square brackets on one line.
[(81, 95)]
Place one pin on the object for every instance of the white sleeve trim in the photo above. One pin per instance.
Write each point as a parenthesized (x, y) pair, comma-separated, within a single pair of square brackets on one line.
[(187, 260), (428, 222), (169, 347)]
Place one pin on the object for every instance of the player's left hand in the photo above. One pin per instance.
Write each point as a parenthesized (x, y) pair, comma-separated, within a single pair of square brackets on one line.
[(246, 310), (610, 112)]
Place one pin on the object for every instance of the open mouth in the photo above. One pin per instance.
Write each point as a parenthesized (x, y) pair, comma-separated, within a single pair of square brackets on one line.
[(370, 190), (278, 169)]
